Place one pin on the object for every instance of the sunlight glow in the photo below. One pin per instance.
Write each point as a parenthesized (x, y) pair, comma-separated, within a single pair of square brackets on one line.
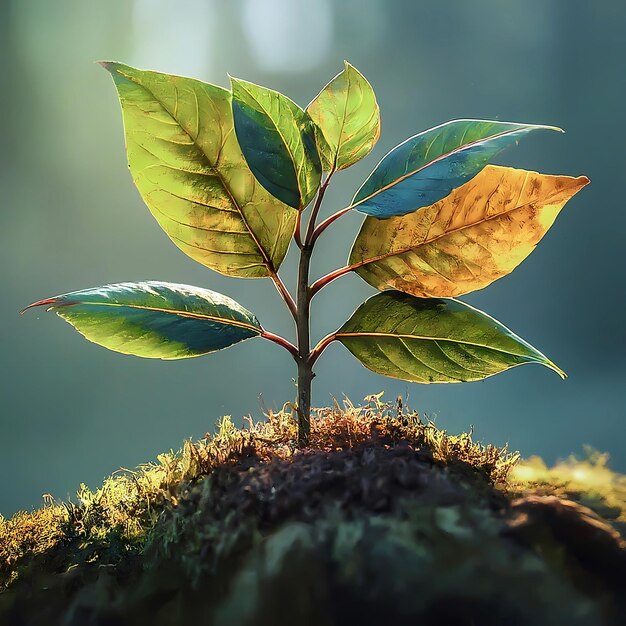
[(173, 40), (286, 35)]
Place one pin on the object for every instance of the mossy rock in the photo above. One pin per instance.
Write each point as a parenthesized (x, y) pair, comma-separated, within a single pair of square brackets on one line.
[(384, 519)]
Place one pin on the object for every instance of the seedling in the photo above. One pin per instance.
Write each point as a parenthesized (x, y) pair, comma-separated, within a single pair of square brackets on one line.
[(229, 175)]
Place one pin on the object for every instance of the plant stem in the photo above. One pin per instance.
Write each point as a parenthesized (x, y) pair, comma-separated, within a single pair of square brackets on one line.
[(284, 292), (305, 368), (303, 332), (296, 234), (321, 346), (281, 341), (328, 221), (310, 230), (325, 280)]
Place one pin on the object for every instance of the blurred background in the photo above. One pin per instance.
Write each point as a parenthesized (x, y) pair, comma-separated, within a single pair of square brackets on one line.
[(71, 218)]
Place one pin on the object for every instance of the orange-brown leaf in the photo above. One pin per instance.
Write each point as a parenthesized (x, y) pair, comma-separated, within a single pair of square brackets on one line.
[(477, 234)]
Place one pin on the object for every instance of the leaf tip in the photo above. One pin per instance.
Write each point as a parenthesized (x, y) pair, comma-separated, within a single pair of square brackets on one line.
[(531, 127), (115, 69), (556, 129), (109, 66), (577, 183), (236, 84), (556, 369), (43, 302), (236, 81)]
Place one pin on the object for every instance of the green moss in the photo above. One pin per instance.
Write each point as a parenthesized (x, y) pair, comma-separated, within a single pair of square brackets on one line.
[(587, 480), (242, 527)]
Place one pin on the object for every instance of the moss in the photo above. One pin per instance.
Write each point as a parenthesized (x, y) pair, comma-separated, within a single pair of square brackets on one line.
[(587, 480), (244, 528)]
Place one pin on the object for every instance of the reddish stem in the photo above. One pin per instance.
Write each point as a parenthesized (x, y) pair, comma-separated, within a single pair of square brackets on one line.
[(320, 347), (327, 222), (320, 283), (284, 292), (296, 235), (309, 238), (281, 341)]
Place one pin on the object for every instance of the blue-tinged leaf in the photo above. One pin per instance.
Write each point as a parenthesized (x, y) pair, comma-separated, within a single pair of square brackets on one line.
[(277, 139), (155, 319), (427, 167)]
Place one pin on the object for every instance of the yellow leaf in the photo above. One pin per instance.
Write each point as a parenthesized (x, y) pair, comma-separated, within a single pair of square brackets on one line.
[(187, 164), (477, 234)]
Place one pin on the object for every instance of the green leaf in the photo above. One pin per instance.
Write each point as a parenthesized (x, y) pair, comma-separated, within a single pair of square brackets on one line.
[(278, 141), (154, 319), (186, 162), (479, 233), (348, 116), (427, 167), (323, 149), (427, 340)]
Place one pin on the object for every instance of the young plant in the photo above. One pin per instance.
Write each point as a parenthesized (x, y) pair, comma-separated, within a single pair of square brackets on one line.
[(228, 176)]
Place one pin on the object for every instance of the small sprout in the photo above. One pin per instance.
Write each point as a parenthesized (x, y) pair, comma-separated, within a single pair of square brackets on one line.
[(229, 175)]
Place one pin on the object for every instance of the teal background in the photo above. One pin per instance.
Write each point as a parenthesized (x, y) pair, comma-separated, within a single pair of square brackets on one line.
[(71, 218)]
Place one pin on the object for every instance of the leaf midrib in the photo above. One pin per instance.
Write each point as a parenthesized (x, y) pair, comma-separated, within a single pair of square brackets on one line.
[(427, 242), (426, 165), (284, 140), (188, 314), (266, 260), (343, 121), (426, 338)]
